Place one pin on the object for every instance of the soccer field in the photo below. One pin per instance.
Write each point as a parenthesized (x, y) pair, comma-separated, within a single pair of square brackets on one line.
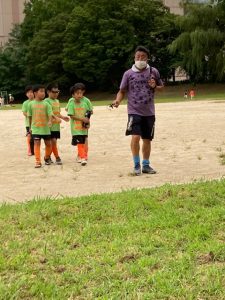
[(189, 139)]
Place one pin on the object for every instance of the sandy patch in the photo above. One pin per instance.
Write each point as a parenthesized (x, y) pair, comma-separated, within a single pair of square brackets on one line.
[(187, 142)]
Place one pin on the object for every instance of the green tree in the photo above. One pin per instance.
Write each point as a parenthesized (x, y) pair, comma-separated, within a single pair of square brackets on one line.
[(92, 41), (37, 12), (12, 64), (101, 36), (201, 42), (44, 58)]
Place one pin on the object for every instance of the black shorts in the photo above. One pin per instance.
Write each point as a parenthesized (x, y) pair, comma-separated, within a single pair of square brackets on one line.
[(55, 134), (141, 125), (41, 136), (78, 139)]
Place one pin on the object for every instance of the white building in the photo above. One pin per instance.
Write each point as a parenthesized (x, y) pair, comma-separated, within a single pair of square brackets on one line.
[(11, 12), (175, 6)]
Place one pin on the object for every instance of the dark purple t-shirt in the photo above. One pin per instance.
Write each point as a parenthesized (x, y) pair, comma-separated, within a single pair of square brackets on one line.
[(140, 95)]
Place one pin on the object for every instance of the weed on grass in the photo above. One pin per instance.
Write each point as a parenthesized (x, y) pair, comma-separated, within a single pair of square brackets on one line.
[(222, 158)]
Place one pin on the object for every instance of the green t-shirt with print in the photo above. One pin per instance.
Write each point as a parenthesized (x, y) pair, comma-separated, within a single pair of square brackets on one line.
[(56, 111), (25, 110), (79, 110), (40, 112), (85, 99)]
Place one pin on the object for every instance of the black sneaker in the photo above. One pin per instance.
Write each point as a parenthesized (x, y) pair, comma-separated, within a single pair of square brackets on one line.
[(47, 161), (58, 161), (148, 170)]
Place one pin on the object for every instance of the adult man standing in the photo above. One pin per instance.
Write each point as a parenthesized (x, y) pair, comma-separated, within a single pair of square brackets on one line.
[(140, 83)]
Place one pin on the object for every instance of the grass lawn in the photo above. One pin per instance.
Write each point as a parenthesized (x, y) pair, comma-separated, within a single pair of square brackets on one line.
[(169, 94), (162, 243)]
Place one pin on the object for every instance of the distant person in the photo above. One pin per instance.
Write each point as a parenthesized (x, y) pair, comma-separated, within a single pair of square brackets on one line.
[(30, 97), (1, 101), (53, 93), (11, 99), (79, 111), (185, 94), (140, 82), (192, 93), (40, 120)]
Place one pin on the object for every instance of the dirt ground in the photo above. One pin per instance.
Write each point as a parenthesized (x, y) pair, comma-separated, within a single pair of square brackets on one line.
[(188, 140)]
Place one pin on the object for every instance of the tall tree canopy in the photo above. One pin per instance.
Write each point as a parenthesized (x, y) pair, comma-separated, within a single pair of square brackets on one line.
[(201, 43), (101, 36), (90, 40)]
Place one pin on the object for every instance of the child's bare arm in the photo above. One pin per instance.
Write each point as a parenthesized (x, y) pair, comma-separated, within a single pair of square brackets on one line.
[(50, 121), (30, 122), (56, 118), (85, 120), (64, 118)]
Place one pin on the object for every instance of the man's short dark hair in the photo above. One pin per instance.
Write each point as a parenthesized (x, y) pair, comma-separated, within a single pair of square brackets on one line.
[(37, 87), (28, 88), (51, 86), (76, 87), (142, 49)]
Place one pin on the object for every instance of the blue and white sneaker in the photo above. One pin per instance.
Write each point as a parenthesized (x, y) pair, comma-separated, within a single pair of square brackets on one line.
[(137, 170)]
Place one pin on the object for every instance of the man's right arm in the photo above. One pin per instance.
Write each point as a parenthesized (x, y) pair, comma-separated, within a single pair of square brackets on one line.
[(123, 88), (119, 97)]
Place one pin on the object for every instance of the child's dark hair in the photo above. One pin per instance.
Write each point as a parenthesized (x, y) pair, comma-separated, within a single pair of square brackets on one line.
[(28, 88), (52, 86), (76, 87), (142, 49), (37, 87)]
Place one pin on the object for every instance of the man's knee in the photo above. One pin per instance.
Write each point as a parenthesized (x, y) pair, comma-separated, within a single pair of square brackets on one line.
[(136, 138), (146, 142)]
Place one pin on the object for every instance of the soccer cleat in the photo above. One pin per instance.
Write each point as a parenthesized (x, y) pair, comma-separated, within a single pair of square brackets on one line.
[(137, 170), (47, 161), (78, 160), (38, 165), (58, 161), (83, 162), (148, 170)]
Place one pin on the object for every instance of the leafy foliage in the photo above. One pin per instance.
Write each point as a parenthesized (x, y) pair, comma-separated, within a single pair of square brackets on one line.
[(91, 41), (12, 61), (201, 42)]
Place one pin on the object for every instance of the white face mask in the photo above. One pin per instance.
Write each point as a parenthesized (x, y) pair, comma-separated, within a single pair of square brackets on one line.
[(140, 64)]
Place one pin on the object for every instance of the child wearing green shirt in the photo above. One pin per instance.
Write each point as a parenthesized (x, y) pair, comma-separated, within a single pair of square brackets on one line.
[(40, 120), (79, 121), (30, 142), (53, 92)]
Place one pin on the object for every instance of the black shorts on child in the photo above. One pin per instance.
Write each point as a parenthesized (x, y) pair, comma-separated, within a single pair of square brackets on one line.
[(55, 134), (78, 139), (41, 136)]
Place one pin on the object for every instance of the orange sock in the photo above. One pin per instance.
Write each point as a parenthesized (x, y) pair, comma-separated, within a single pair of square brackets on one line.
[(86, 151), (37, 152), (55, 150), (48, 150), (81, 150)]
